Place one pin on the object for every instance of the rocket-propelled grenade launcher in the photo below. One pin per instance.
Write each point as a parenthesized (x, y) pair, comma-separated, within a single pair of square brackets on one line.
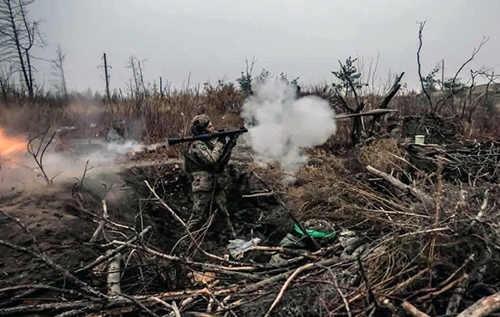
[(206, 136)]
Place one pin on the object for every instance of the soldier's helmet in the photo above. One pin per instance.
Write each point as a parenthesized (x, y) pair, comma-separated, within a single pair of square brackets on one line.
[(199, 124)]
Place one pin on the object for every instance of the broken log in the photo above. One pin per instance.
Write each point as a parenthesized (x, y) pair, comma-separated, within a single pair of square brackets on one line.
[(114, 275), (417, 193)]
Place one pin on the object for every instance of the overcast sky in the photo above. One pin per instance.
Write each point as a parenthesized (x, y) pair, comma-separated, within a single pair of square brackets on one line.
[(211, 38)]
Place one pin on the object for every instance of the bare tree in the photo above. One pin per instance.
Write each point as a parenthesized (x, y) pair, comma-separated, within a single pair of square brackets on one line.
[(245, 81), (420, 31), (18, 35), (474, 53), (58, 66), (137, 82)]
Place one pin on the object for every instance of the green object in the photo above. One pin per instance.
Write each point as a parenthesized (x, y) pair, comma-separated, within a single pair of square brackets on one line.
[(316, 234)]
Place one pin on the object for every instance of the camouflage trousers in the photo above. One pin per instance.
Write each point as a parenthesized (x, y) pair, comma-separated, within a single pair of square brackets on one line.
[(202, 200)]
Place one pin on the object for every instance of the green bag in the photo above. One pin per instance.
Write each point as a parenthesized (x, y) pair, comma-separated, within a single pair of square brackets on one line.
[(316, 234)]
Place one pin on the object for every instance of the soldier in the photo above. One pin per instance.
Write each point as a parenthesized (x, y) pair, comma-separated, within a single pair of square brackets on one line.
[(205, 162)]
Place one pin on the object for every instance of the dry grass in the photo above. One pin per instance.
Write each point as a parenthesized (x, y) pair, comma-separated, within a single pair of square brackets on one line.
[(148, 120), (383, 154)]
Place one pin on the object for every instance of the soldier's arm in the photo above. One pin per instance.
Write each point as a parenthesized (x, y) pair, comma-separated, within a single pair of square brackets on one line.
[(206, 156)]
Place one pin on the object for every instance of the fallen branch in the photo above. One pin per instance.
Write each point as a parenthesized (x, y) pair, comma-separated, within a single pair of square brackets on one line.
[(412, 310), (109, 223), (404, 284), (461, 288), (98, 261), (369, 290), (265, 194), (73, 279), (442, 290), (25, 229), (47, 288), (417, 193), (100, 229), (230, 271), (114, 275), (141, 305), (286, 251), (282, 276), (74, 312), (111, 302), (156, 299), (52, 307), (483, 307), (103, 258), (285, 286), (480, 214)]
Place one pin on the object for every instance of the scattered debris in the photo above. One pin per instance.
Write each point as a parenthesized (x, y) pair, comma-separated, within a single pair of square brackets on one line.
[(360, 241)]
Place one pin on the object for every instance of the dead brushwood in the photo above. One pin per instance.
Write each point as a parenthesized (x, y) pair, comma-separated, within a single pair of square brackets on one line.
[(193, 240), (417, 193), (394, 236), (381, 155)]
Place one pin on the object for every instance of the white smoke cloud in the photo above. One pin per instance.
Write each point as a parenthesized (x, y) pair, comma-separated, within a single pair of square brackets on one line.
[(281, 124), (101, 155)]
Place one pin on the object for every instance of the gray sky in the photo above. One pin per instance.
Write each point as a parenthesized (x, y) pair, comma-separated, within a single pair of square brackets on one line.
[(302, 38)]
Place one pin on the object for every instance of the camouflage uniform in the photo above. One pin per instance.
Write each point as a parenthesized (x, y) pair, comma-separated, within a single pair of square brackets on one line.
[(207, 176)]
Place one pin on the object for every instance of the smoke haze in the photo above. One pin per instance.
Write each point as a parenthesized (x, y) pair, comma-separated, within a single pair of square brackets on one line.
[(280, 124), (19, 171)]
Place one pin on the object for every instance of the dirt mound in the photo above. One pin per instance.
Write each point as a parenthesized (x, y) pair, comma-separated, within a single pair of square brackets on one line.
[(52, 218)]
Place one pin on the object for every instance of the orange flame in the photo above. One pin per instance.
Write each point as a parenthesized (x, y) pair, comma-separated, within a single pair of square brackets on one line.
[(9, 145)]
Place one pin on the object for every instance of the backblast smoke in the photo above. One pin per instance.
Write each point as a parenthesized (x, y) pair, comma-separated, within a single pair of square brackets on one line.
[(280, 124)]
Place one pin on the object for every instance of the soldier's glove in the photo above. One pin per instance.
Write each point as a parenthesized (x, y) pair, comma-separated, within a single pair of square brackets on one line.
[(222, 140), (233, 140)]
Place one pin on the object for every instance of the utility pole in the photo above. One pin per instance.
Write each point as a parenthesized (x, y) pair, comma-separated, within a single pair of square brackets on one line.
[(161, 88), (442, 72), (442, 78), (106, 76)]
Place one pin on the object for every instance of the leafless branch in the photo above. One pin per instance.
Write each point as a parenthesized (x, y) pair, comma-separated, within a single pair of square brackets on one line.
[(40, 152), (420, 30)]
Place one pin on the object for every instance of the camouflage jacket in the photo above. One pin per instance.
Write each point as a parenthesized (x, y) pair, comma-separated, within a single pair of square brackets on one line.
[(201, 162)]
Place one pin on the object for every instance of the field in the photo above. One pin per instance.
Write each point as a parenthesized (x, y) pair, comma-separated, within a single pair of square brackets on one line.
[(91, 227)]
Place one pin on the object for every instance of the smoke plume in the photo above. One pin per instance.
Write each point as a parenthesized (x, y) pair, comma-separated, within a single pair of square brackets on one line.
[(280, 124)]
